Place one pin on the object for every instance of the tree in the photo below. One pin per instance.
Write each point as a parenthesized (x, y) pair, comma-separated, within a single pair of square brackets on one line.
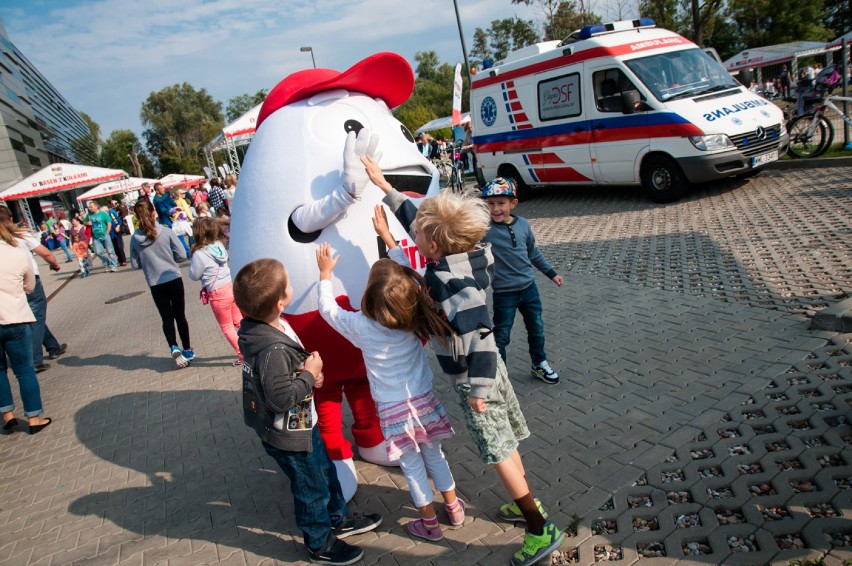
[(563, 17), (116, 149), (666, 14), (703, 17), (87, 146), (566, 20), (503, 37), (839, 16), (427, 65), (241, 104), (771, 22), (179, 121)]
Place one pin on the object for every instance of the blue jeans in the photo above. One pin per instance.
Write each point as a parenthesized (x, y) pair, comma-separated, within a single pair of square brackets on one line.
[(41, 334), (63, 243), (528, 302), (318, 501), (104, 249), (16, 343)]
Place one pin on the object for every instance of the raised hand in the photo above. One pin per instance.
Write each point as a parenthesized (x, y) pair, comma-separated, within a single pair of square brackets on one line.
[(374, 172), (325, 261), (355, 179)]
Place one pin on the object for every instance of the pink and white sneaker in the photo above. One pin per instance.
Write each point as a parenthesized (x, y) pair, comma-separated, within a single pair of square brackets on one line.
[(417, 528), (456, 515)]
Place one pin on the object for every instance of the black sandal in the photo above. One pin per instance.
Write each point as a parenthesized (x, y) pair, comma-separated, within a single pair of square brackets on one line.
[(10, 426), (34, 429)]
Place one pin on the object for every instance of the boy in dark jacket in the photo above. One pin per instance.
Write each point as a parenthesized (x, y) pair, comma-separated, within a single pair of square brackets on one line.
[(278, 380)]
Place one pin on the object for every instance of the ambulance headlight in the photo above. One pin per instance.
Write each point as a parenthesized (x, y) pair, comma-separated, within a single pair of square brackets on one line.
[(712, 143)]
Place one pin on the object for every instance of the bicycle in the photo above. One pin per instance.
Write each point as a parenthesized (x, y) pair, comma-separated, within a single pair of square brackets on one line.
[(812, 134), (450, 170)]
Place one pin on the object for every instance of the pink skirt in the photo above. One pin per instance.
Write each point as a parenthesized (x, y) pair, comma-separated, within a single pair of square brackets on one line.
[(407, 424)]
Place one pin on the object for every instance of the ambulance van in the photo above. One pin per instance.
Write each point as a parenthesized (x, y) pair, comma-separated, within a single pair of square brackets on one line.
[(623, 103)]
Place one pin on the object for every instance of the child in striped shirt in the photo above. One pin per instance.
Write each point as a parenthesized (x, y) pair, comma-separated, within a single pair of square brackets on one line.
[(394, 320)]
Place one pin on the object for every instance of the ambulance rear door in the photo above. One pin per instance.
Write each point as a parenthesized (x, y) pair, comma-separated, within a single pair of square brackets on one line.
[(619, 135)]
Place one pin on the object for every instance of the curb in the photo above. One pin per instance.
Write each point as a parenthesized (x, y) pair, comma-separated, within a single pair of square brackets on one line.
[(811, 163), (837, 317)]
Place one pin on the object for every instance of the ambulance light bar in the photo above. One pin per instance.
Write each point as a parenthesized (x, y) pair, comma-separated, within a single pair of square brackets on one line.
[(596, 29)]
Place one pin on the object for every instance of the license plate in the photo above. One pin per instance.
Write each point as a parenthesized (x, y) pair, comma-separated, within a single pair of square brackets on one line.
[(764, 159)]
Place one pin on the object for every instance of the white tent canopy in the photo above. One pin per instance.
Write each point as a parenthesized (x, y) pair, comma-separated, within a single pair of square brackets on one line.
[(173, 180), (58, 178), (441, 123), (776, 54), (239, 132), (837, 42), (115, 187)]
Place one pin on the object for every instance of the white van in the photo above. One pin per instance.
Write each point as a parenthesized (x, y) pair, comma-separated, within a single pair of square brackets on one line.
[(620, 104)]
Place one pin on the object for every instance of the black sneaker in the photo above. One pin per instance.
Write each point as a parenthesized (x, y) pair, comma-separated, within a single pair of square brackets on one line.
[(42, 367), (62, 348), (356, 523), (336, 551)]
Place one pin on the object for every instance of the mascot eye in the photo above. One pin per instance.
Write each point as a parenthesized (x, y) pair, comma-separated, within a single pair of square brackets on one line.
[(406, 133), (352, 126)]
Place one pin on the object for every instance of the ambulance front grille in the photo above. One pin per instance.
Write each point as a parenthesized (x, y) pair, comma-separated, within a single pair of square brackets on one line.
[(758, 141)]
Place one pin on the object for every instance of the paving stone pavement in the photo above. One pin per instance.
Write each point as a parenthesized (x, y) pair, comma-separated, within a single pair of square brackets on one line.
[(695, 412)]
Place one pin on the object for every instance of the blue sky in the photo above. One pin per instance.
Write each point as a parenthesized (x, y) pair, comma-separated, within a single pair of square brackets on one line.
[(107, 56)]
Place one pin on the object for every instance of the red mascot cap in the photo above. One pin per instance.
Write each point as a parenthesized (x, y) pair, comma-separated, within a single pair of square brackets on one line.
[(384, 75)]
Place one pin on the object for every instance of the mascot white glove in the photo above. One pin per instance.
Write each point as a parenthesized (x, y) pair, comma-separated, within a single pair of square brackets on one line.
[(355, 178)]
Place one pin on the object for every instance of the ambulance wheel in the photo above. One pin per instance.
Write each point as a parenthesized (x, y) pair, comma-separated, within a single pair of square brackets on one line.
[(662, 179)]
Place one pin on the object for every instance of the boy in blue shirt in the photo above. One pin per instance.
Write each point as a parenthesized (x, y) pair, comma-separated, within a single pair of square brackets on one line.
[(515, 254)]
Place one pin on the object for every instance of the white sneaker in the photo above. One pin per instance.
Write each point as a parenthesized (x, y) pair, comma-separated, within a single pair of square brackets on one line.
[(544, 372)]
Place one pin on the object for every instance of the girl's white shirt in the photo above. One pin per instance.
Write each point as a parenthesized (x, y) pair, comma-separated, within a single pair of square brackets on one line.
[(397, 366)]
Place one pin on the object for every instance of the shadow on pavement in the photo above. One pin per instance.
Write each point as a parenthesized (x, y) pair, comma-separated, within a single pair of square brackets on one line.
[(160, 364), (197, 472)]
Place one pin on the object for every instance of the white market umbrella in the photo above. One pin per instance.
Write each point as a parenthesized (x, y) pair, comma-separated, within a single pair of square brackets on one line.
[(60, 177), (175, 179), (115, 187)]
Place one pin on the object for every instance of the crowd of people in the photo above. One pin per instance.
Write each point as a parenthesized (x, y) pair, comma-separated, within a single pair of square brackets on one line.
[(26, 339), (474, 241)]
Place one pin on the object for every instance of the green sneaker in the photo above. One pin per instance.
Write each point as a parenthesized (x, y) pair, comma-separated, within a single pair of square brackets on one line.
[(537, 547), (511, 512)]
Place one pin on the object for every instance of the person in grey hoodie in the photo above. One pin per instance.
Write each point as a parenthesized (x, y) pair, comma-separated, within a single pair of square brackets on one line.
[(156, 250), (210, 265)]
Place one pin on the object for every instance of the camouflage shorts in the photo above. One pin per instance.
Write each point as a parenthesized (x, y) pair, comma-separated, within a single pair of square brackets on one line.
[(497, 431)]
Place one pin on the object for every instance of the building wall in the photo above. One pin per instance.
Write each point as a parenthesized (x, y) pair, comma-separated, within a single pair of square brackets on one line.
[(37, 125)]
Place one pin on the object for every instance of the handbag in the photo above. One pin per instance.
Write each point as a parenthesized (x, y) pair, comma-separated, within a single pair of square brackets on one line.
[(204, 294)]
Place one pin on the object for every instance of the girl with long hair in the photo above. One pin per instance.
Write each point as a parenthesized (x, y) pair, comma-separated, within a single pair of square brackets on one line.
[(396, 318), (156, 250), (210, 265)]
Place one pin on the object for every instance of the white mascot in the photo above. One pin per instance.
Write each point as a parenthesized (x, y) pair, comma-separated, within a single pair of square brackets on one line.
[(303, 183)]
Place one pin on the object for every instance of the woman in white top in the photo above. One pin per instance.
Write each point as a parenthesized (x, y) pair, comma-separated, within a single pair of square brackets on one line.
[(17, 278)]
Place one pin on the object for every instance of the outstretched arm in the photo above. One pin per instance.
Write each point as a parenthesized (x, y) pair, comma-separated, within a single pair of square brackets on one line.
[(318, 214)]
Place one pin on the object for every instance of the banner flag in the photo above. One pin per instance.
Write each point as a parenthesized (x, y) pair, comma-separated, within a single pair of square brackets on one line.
[(457, 96)]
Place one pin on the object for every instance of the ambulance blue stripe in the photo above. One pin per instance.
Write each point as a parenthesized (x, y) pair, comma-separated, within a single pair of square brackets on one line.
[(628, 121)]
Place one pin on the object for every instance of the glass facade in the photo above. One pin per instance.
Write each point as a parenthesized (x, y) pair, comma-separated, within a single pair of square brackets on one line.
[(37, 125)]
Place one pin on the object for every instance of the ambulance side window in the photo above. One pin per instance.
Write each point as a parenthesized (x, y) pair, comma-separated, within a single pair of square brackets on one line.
[(609, 85), (559, 97)]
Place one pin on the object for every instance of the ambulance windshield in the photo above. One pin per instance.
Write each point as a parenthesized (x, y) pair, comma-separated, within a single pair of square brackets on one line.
[(681, 74)]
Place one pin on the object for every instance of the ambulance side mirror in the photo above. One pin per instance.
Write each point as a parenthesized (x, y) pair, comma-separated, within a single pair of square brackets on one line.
[(630, 102)]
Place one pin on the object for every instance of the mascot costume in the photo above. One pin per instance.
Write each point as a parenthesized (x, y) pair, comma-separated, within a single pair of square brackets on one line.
[(303, 183)]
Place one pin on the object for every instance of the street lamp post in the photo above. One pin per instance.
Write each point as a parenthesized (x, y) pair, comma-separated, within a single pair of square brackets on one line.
[(461, 37), (311, 49)]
